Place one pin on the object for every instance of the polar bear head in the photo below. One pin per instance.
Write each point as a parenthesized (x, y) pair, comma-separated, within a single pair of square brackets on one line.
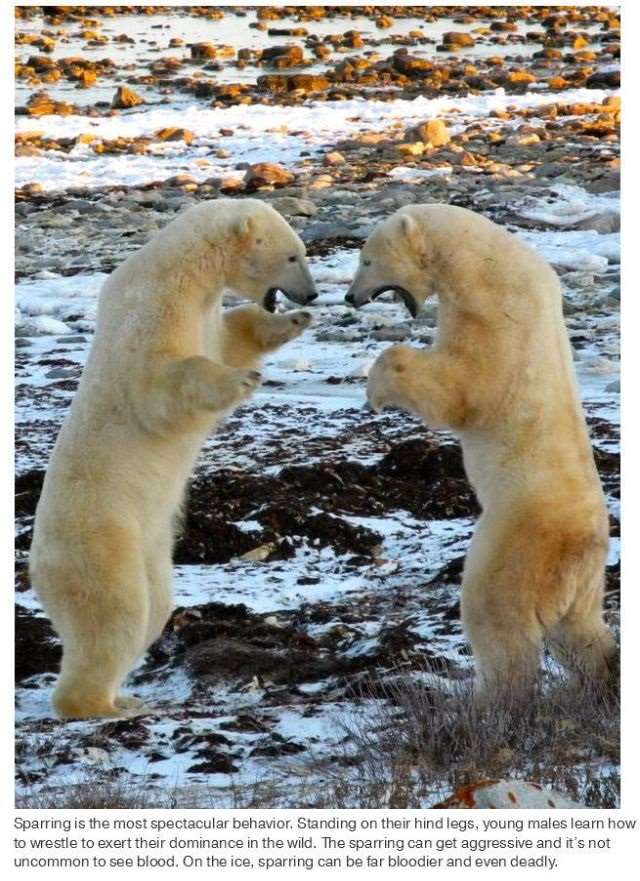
[(424, 250), (456, 254), (266, 256), (241, 245), (393, 259)]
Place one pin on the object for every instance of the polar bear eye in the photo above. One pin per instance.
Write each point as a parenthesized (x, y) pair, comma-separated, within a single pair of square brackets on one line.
[(366, 262), (292, 259)]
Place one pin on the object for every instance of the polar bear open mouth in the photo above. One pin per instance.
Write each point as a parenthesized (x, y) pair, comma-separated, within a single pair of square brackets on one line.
[(270, 298), (269, 302), (407, 297)]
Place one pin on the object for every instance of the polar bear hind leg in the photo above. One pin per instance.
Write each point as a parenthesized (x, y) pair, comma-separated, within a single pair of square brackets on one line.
[(160, 579), (101, 613), (581, 641), (526, 586)]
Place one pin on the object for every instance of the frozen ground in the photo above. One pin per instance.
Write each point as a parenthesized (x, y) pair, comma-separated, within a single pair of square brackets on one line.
[(291, 138), (324, 544), (301, 416)]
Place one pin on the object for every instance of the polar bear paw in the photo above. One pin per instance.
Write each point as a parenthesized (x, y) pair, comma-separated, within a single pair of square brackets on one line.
[(384, 385), (283, 327), (238, 385)]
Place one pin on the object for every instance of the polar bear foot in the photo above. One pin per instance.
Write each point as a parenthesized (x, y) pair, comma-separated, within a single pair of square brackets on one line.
[(77, 710), (85, 706)]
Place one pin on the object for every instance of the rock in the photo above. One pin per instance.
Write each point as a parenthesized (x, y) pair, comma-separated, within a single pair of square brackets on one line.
[(322, 51), (353, 40), (267, 174), (604, 80), (283, 56), (520, 77), (393, 334), (507, 795), (411, 66), (291, 206), (456, 39), (613, 387), (307, 82), (45, 325), (411, 148), (524, 140), (433, 132), (62, 373), (27, 150), (384, 21), (608, 183), (40, 104), (126, 97), (271, 82), (607, 222), (338, 336), (203, 51), (175, 134), (333, 158), (180, 180), (279, 82)]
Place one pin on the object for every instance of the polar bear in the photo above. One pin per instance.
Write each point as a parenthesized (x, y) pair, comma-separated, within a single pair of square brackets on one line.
[(500, 375), (165, 365)]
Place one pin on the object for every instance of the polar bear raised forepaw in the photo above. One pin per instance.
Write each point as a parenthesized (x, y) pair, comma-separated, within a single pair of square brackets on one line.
[(237, 385), (388, 379), (282, 328)]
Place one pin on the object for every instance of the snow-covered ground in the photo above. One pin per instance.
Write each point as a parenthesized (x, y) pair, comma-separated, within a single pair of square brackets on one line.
[(274, 134), (357, 611)]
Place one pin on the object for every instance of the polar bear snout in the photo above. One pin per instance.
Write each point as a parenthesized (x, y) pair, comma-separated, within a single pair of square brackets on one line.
[(296, 283)]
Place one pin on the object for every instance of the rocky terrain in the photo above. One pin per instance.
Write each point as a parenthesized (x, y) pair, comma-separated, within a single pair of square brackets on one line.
[(317, 576)]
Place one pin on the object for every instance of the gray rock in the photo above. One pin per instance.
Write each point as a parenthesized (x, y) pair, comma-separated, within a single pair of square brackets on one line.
[(338, 336), (62, 373), (613, 387), (550, 169), (608, 183), (325, 229), (290, 206), (395, 333), (83, 206), (608, 221)]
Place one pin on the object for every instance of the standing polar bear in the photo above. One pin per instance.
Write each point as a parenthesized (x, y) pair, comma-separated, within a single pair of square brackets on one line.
[(166, 364), (500, 375)]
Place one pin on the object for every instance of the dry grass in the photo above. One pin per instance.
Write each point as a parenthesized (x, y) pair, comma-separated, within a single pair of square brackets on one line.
[(411, 740), (424, 741)]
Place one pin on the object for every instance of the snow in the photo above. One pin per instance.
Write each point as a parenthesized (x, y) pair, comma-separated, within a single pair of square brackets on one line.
[(55, 317), (584, 250), (314, 124), (568, 205)]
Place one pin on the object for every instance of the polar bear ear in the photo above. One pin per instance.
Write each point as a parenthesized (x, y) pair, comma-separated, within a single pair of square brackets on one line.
[(408, 226), (244, 227)]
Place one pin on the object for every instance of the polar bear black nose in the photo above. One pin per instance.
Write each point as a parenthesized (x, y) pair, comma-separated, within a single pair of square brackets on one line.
[(348, 298)]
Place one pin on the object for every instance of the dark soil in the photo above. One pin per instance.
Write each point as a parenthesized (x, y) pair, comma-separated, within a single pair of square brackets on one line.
[(37, 649)]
